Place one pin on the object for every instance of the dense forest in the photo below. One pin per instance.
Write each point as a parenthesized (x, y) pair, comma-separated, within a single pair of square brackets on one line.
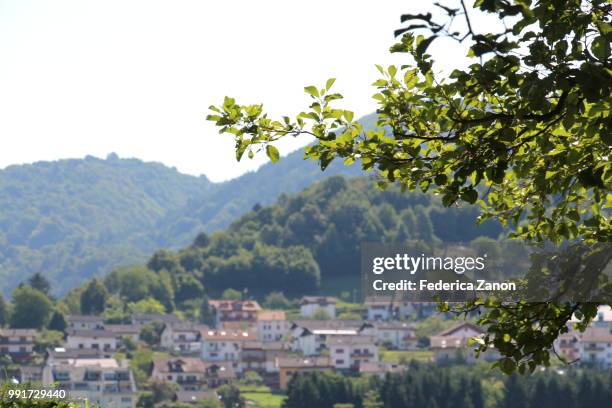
[(315, 236), (305, 243), (424, 386), (80, 218)]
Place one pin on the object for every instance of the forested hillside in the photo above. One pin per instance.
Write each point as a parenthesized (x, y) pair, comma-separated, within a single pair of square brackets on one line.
[(72, 219), (310, 241)]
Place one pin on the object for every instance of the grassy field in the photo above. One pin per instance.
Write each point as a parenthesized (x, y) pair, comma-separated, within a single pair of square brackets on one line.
[(262, 397), (397, 355)]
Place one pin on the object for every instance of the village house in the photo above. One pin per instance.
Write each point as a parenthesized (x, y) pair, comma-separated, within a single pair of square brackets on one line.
[(92, 339), (192, 374), (349, 352), (379, 308), (566, 345), (84, 322), (309, 336), (103, 382), (272, 325), (290, 366), (395, 335), (388, 308), (17, 343), (309, 305), (261, 356), (23, 373), (185, 338), (235, 310), (123, 331), (451, 345), (595, 347), (222, 345)]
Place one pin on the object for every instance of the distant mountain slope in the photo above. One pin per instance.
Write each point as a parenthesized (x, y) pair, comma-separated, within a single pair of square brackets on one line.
[(72, 219), (226, 201)]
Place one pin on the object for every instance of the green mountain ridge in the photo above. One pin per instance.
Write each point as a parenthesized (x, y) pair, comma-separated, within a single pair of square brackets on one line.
[(305, 243), (77, 218)]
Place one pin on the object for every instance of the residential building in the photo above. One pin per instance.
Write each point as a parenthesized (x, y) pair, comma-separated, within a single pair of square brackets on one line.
[(221, 345), (309, 336), (261, 356), (235, 310), (103, 382), (349, 352), (92, 339), (272, 325), (451, 345), (289, 366), (192, 374), (595, 347), (566, 345), (309, 305), (379, 308), (84, 322), (184, 338), (395, 334), (23, 373), (17, 343), (122, 331)]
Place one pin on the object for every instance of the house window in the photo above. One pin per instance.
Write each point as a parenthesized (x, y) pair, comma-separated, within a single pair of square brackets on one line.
[(339, 362)]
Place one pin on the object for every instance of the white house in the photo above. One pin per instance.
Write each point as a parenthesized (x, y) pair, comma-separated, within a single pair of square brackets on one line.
[(184, 338), (92, 339), (309, 336), (379, 308), (121, 331), (272, 325), (191, 374), (102, 381), (18, 343), (595, 347), (84, 322), (261, 356), (309, 305), (223, 345), (349, 352), (396, 334)]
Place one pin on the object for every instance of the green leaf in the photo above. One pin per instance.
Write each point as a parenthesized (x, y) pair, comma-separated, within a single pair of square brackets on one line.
[(469, 195), (272, 153), (601, 48), (312, 91), (329, 83)]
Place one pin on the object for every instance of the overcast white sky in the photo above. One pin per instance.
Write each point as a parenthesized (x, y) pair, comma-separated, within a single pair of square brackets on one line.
[(136, 77)]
